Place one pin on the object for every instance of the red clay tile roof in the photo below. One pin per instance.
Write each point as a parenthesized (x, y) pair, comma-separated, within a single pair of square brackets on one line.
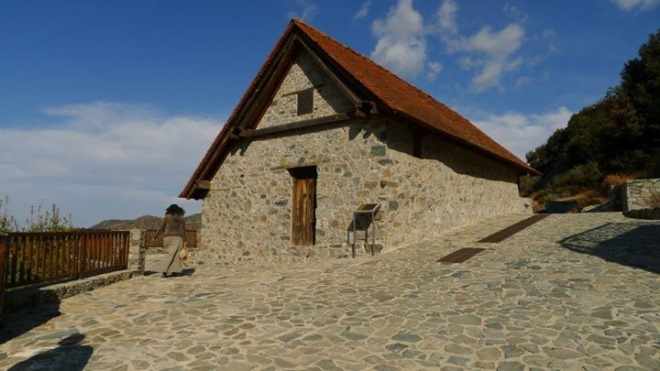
[(406, 99), (398, 96)]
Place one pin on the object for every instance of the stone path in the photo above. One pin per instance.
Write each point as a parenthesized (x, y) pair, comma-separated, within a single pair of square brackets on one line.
[(527, 303)]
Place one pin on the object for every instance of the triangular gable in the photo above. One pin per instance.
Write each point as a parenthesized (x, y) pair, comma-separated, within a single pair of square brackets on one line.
[(305, 76), (255, 102), (406, 100), (368, 82)]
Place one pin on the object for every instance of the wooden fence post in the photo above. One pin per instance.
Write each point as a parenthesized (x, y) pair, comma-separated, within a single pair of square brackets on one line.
[(82, 255), (141, 254), (4, 252)]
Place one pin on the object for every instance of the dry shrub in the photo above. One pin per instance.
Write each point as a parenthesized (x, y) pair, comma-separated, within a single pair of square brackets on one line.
[(590, 197), (527, 184), (615, 180), (40, 219), (7, 222)]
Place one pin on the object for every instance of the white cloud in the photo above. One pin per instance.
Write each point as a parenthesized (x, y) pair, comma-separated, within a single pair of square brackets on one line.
[(499, 44), (629, 5), (496, 49), (432, 70), (521, 133), (514, 12), (363, 11), (491, 53), (447, 16), (306, 10), (105, 160), (401, 45)]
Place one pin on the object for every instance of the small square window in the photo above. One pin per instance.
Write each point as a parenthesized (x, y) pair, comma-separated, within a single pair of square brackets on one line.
[(305, 101)]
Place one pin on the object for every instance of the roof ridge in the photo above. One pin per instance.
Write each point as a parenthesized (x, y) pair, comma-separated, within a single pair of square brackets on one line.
[(455, 115), (298, 22)]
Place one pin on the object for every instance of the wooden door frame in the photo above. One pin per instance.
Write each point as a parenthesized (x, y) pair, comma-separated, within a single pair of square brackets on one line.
[(300, 174)]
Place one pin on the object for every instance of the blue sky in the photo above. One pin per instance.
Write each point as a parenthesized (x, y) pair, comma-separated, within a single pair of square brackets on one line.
[(106, 107)]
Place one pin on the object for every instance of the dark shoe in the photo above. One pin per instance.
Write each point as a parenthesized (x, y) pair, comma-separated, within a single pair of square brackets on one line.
[(164, 275)]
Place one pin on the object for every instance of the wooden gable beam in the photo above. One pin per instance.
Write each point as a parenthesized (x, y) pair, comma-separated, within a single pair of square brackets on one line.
[(282, 60), (357, 102), (203, 185), (296, 127)]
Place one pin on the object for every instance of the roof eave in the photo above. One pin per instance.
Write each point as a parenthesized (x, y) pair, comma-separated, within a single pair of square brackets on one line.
[(519, 165)]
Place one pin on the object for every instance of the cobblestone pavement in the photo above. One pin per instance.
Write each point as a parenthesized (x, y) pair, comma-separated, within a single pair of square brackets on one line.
[(529, 302)]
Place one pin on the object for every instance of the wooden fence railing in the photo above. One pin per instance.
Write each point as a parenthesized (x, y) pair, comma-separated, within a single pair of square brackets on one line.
[(40, 258), (150, 239)]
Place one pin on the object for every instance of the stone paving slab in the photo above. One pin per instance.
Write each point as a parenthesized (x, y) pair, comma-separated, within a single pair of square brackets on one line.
[(531, 302)]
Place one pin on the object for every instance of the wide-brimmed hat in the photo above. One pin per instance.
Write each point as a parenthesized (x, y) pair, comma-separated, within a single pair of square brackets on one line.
[(175, 209)]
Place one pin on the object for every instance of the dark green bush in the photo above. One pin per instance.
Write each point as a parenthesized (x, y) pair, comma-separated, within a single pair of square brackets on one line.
[(587, 176), (527, 185), (653, 166)]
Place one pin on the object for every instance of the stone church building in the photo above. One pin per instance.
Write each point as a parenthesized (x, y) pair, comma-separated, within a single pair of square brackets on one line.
[(323, 130)]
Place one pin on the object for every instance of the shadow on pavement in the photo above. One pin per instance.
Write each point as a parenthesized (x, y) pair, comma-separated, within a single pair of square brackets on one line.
[(18, 322), (632, 244), (68, 355), (184, 272), (187, 272)]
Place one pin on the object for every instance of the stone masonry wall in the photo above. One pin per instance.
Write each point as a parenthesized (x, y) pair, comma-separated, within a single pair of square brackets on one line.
[(247, 213), (304, 74), (638, 198)]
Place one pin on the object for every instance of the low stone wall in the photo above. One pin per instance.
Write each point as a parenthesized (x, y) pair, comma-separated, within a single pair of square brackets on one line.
[(638, 198), (24, 297), (136, 251)]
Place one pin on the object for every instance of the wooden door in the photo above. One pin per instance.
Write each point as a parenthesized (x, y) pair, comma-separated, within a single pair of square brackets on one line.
[(303, 211)]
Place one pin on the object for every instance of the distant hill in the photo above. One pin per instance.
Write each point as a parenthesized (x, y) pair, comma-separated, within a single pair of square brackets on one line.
[(193, 221)]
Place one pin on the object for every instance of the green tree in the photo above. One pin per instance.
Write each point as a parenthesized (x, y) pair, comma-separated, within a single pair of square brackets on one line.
[(619, 134), (640, 81)]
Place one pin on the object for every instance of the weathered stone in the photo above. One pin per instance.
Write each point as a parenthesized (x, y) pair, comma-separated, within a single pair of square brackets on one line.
[(604, 313), (560, 353), (468, 319), (489, 354), (646, 360), (459, 361), (510, 366), (177, 356), (385, 161), (353, 335), (406, 337), (457, 349), (639, 194), (396, 347), (512, 351), (378, 150)]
